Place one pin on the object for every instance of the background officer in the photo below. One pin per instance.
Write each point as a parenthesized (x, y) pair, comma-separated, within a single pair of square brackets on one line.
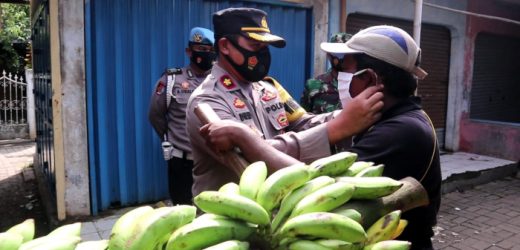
[(320, 94), (167, 111)]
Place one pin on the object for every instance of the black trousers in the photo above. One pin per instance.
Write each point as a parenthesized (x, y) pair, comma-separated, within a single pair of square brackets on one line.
[(180, 180)]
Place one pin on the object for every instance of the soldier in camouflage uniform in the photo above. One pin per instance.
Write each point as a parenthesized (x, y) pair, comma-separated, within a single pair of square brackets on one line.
[(321, 93)]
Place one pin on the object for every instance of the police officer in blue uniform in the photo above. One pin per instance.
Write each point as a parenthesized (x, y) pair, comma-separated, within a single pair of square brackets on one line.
[(167, 111)]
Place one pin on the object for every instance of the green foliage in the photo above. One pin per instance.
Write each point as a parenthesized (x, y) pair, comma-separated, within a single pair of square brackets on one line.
[(14, 28), (15, 22)]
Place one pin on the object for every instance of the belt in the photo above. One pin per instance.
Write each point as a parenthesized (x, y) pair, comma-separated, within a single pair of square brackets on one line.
[(181, 154)]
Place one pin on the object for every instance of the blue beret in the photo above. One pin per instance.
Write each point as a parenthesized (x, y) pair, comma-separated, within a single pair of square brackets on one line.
[(202, 36)]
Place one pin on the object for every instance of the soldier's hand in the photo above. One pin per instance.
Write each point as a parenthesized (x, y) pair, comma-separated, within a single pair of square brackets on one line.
[(363, 111)]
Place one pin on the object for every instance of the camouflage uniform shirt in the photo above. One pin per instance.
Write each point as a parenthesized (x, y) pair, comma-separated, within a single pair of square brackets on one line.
[(321, 94)]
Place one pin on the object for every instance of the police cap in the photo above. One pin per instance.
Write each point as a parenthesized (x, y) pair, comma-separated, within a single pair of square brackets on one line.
[(200, 35), (248, 22)]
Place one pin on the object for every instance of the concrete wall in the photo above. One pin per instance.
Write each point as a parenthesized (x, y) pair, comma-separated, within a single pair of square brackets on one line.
[(489, 138), (456, 23), (69, 108)]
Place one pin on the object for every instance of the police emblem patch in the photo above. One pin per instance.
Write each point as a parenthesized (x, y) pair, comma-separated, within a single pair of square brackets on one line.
[(268, 95), (282, 120), (185, 85), (160, 88), (251, 62), (226, 81), (197, 37), (238, 103)]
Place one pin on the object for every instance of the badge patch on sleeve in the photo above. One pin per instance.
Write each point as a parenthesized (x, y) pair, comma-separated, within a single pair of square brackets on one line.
[(160, 88), (268, 95), (238, 103), (282, 120), (226, 81)]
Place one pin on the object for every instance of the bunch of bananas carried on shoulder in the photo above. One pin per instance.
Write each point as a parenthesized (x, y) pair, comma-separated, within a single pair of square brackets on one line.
[(332, 203)]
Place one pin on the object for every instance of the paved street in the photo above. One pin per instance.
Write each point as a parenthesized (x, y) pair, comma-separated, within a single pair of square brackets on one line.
[(485, 217)]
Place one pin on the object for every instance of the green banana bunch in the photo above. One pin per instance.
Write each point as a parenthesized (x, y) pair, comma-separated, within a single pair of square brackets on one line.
[(349, 212), (230, 245), (230, 188), (208, 232), (339, 244), (307, 245), (372, 171), (324, 199), (92, 245), (324, 225), (371, 187), (125, 226), (73, 229), (232, 205), (357, 167), (161, 222), (54, 243), (10, 241), (25, 229), (389, 245), (252, 179), (291, 199), (280, 183), (333, 165), (384, 228)]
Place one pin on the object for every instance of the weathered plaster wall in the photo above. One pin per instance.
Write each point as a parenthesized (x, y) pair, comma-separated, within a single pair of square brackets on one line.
[(495, 139)]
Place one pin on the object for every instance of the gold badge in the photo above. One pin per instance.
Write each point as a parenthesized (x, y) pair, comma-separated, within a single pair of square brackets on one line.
[(227, 82), (238, 103), (264, 23), (197, 38)]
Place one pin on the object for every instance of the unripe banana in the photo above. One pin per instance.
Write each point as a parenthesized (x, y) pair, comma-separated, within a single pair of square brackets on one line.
[(280, 183), (371, 187), (230, 188), (324, 199), (25, 229), (400, 228), (339, 244), (230, 245), (307, 245), (372, 171), (73, 229), (10, 241), (389, 245), (349, 212), (124, 227), (153, 227), (232, 205), (92, 245), (324, 225), (208, 232), (56, 243), (333, 165), (357, 167), (291, 199), (252, 179), (384, 228)]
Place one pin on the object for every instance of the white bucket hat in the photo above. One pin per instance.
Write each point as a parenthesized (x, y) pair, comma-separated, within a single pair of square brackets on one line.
[(386, 43)]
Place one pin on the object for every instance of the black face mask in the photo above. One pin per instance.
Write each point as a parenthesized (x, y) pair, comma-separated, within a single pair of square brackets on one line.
[(203, 60), (256, 63)]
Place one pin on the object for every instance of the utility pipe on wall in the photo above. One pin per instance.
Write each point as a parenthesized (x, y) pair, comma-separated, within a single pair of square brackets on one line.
[(417, 22)]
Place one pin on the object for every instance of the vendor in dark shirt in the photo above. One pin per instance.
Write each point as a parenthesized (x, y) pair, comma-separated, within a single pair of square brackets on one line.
[(404, 139)]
